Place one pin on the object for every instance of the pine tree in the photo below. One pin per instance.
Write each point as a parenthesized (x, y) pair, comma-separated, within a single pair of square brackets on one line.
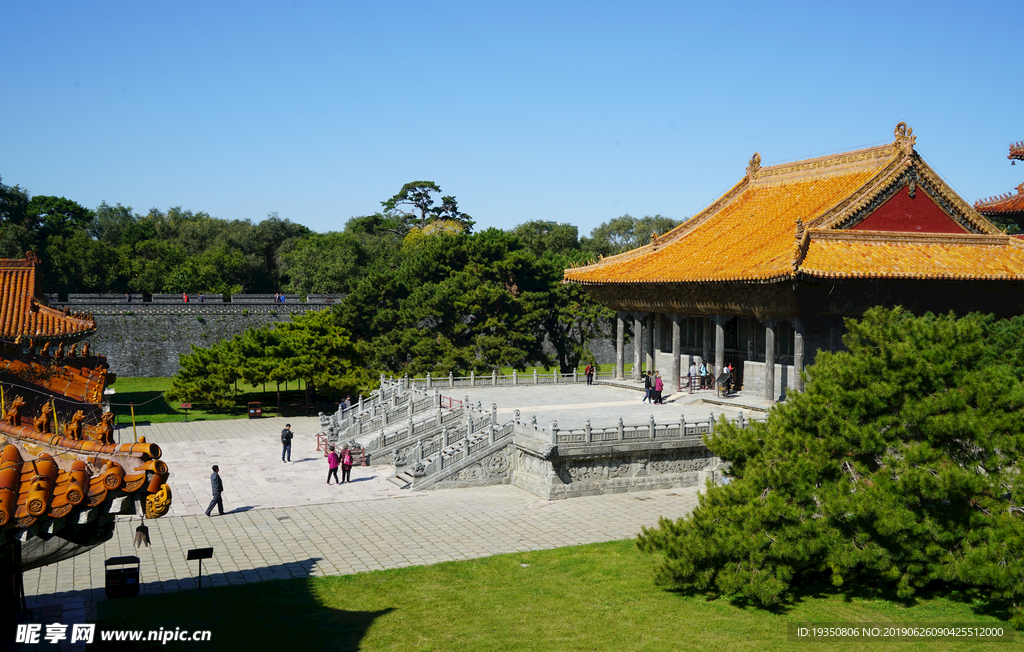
[(898, 466)]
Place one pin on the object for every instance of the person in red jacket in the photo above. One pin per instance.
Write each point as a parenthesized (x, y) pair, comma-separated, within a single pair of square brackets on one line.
[(332, 466)]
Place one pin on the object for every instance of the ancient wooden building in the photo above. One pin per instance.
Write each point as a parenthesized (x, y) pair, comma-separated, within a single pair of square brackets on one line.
[(764, 276), (1008, 208), (63, 476)]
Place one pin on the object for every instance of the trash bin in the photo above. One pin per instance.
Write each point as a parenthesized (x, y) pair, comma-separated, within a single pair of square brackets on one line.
[(255, 409), (122, 582)]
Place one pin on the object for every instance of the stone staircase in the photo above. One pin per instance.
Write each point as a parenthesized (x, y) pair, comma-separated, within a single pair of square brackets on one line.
[(444, 459)]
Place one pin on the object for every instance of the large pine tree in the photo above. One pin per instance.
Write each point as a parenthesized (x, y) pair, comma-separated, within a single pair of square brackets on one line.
[(899, 466)]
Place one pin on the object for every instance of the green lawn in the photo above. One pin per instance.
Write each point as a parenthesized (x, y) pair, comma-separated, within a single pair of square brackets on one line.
[(145, 396), (594, 597)]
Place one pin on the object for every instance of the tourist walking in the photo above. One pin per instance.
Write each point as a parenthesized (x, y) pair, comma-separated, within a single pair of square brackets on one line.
[(704, 374), (346, 464), (648, 386), (589, 371), (332, 466), (692, 375), (218, 489), (286, 443), (659, 385)]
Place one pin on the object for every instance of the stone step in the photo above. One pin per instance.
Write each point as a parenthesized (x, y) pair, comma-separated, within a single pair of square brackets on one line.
[(402, 480)]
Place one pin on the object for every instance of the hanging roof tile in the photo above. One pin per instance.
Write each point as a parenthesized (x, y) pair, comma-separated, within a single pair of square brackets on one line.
[(774, 224), (1008, 204), (23, 315)]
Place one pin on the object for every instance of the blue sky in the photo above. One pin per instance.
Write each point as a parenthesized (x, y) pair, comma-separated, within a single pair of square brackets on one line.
[(569, 111)]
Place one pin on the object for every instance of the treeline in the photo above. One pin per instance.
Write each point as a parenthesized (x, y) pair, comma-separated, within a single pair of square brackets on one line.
[(425, 293), (114, 249)]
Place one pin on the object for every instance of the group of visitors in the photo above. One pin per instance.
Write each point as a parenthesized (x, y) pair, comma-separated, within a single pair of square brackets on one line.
[(703, 374), (653, 388), (344, 460), (278, 298)]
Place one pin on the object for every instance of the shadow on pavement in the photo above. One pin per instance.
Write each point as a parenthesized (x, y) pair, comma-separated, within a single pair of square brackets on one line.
[(262, 615)]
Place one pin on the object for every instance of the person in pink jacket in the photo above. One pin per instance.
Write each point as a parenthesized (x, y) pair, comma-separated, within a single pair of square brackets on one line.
[(346, 464), (659, 385), (332, 466)]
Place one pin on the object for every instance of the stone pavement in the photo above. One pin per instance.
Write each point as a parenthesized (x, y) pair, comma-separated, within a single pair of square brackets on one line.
[(283, 521), (572, 405)]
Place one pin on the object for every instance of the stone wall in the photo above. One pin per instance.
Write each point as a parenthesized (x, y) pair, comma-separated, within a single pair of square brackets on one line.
[(753, 379), (562, 472), (146, 339)]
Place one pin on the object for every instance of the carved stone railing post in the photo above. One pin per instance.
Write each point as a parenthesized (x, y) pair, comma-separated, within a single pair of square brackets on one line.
[(494, 378), (650, 426), (444, 436), (465, 448), (428, 380), (742, 423), (411, 428), (621, 430), (419, 449), (576, 375), (472, 378), (360, 402), (412, 410), (515, 377), (711, 426), (493, 432), (535, 375), (554, 432), (682, 425), (590, 434), (494, 414), (451, 379), (437, 399)]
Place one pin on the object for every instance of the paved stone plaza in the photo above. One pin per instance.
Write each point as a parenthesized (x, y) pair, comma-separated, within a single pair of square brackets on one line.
[(282, 521)]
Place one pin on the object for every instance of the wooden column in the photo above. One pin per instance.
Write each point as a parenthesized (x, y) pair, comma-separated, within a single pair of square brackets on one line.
[(751, 338), (719, 345), (798, 353), (677, 351), (769, 360), (638, 338), (620, 345), (706, 341), (650, 341)]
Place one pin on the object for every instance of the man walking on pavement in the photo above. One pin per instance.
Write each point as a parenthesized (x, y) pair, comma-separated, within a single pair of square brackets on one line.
[(218, 489), (286, 442)]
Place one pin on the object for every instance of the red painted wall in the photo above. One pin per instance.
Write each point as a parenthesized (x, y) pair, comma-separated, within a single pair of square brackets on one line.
[(917, 215)]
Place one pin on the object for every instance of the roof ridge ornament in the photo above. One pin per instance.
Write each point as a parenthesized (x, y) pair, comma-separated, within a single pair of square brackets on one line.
[(754, 166), (904, 138)]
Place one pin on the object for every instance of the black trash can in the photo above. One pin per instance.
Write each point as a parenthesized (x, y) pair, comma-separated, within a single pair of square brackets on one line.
[(255, 409), (123, 581)]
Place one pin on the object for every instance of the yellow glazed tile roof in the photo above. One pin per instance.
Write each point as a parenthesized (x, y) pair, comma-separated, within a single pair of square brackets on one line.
[(873, 254), (750, 238), (775, 224)]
